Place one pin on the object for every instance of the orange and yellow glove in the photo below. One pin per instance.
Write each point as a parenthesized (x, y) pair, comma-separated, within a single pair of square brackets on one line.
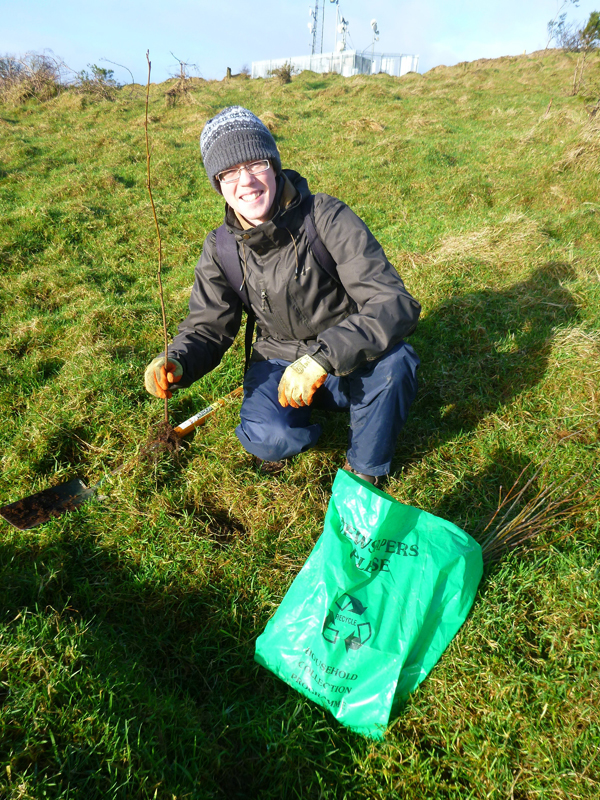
[(300, 381), (158, 380)]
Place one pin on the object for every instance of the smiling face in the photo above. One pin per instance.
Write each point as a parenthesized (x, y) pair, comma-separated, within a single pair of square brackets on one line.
[(252, 195)]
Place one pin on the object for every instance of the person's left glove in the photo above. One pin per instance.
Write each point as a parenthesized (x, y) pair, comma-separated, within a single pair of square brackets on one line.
[(158, 380), (300, 381)]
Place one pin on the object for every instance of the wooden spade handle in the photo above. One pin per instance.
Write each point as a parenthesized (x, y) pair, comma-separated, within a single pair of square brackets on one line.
[(201, 417)]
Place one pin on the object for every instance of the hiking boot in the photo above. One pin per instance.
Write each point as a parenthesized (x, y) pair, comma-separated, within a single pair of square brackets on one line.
[(269, 467), (374, 480)]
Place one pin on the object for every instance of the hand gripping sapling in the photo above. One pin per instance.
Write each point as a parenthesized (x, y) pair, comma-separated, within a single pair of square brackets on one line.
[(158, 380)]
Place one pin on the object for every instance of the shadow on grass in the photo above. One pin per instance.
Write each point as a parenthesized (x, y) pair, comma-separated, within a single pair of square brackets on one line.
[(481, 350), (478, 352), (117, 680), (472, 502), (119, 684)]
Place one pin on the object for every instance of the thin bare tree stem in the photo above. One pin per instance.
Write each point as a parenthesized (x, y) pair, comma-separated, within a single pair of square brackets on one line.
[(159, 273), (537, 516)]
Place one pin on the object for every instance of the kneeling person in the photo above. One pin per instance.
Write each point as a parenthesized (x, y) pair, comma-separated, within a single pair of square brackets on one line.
[(331, 311)]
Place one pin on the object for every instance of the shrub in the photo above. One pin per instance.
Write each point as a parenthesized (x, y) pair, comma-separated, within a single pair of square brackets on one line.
[(99, 83), (283, 73), (34, 75), (572, 38)]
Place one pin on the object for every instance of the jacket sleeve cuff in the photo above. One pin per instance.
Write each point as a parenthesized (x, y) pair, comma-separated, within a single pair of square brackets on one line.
[(319, 357)]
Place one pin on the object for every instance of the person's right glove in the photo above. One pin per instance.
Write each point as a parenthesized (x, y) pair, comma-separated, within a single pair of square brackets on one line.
[(158, 380), (300, 381)]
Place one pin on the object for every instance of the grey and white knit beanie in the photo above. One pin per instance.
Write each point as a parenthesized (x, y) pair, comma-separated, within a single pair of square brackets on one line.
[(233, 136)]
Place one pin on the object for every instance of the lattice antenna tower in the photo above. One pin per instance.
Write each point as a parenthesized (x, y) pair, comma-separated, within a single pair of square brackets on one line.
[(313, 13)]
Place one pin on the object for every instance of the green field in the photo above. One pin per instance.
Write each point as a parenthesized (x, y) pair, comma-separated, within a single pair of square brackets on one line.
[(127, 628)]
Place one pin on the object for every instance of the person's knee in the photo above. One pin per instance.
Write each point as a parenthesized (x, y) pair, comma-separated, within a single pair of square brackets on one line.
[(398, 369), (274, 445), (274, 442), (402, 358), (271, 439)]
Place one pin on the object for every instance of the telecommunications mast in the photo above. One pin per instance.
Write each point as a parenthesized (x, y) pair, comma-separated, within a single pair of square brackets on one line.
[(343, 29), (341, 26), (375, 37), (313, 25)]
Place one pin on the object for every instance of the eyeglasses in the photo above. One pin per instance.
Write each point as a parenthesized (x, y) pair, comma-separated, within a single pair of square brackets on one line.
[(253, 168)]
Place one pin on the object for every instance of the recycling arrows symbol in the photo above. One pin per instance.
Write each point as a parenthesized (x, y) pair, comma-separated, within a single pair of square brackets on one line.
[(364, 634), (330, 633), (357, 606), (363, 629)]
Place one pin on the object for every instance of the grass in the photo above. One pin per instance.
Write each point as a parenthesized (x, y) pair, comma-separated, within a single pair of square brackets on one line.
[(128, 627)]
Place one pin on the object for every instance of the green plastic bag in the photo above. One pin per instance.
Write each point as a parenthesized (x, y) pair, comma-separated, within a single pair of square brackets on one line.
[(384, 591)]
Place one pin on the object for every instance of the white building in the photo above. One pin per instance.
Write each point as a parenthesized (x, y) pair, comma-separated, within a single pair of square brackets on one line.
[(346, 63)]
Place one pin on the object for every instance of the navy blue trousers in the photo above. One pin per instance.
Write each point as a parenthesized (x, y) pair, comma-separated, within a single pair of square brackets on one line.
[(377, 394)]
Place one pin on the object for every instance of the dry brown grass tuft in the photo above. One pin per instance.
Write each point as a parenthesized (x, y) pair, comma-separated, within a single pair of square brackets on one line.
[(416, 122), (364, 123), (69, 101), (573, 374), (505, 241), (585, 344), (272, 120), (585, 154)]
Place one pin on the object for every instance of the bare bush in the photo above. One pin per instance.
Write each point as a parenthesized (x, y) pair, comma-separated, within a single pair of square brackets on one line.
[(571, 37), (37, 76), (563, 35), (179, 92)]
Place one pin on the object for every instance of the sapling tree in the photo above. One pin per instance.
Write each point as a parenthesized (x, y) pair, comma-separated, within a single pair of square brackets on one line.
[(179, 90), (573, 38), (185, 67), (158, 236)]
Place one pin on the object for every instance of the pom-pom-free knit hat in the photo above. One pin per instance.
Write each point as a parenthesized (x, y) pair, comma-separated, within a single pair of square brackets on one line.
[(233, 136)]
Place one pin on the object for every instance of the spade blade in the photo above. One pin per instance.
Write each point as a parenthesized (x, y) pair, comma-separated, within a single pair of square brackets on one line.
[(44, 505)]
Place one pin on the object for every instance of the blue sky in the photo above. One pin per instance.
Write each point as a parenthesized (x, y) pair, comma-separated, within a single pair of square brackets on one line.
[(215, 35)]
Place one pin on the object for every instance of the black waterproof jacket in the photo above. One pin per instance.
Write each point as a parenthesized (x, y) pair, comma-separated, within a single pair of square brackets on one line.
[(299, 308)]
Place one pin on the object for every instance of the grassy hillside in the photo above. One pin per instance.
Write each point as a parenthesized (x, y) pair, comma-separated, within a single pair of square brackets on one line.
[(127, 628)]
